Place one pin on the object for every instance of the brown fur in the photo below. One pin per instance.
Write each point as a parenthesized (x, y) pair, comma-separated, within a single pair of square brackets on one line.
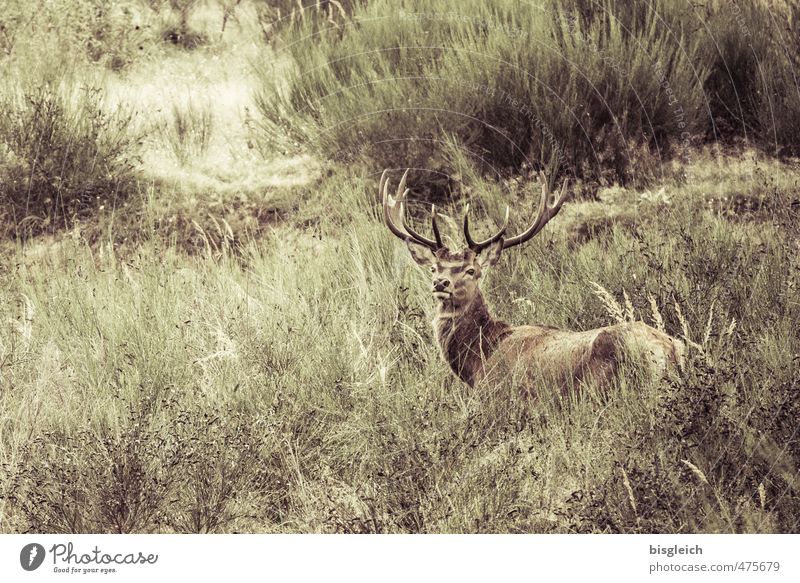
[(469, 339), (481, 349), (564, 358), (477, 347)]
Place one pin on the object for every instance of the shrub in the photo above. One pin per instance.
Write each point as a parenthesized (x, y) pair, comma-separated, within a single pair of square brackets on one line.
[(611, 90), (164, 464), (752, 85), (515, 84), (734, 81), (175, 26), (108, 479), (62, 154), (276, 15), (779, 107)]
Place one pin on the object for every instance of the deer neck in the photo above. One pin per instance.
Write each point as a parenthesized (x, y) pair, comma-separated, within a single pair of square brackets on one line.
[(468, 335)]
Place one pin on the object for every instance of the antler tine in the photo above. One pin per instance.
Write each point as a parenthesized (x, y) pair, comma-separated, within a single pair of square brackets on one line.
[(436, 234), (470, 242), (478, 246), (546, 212), (389, 207), (562, 196), (401, 188), (420, 238), (394, 212), (551, 210), (384, 177)]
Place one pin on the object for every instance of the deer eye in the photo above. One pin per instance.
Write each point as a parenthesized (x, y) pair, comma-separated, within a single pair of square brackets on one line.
[(470, 271), (433, 269)]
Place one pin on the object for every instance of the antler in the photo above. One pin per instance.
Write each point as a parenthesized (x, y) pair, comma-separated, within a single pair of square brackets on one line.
[(478, 246), (394, 214), (546, 212)]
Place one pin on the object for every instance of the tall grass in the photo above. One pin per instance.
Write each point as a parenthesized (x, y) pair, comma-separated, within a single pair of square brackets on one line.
[(274, 16), (295, 386), (515, 84), (753, 85), (113, 35), (612, 89), (290, 383), (187, 130), (63, 153)]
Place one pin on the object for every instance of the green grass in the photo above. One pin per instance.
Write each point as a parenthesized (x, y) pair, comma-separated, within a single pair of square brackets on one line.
[(291, 384)]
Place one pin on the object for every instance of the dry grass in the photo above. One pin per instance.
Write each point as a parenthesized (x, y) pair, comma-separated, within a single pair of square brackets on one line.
[(291, 384), (239, 344)]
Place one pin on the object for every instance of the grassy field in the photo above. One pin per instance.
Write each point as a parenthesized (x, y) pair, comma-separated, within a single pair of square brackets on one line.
[(218, 334)]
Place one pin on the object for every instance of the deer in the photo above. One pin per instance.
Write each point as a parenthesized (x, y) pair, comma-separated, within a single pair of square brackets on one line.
[(481, 349)]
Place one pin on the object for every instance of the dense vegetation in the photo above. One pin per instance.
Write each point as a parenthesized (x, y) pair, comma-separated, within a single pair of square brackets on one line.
[(201, 350), (612, 89)]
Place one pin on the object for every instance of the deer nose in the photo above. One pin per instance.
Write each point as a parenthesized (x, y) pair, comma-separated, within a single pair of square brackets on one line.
[(440, 284)]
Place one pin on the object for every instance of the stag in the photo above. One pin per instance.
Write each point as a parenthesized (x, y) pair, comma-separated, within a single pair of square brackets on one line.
[(481, 348)]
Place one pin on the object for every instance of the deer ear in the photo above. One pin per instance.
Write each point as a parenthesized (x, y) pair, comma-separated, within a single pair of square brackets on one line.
[(420, 254), (489, 256)]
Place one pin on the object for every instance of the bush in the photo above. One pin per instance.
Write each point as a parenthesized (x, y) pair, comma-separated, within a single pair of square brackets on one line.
[(175, 25), (62, 154), (182, 474), (734, 83), (752, 85), (276, 15), (515, 85), (609, 90), (779, 108)]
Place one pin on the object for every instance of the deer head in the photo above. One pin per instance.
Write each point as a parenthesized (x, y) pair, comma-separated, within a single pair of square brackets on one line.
[(456, 273)]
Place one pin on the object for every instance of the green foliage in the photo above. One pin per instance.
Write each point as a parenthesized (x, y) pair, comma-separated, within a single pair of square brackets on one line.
[(274, 16), (200, 459), (515, 84), (175, 26), (264, 361), (752, 85), (779, 108)]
